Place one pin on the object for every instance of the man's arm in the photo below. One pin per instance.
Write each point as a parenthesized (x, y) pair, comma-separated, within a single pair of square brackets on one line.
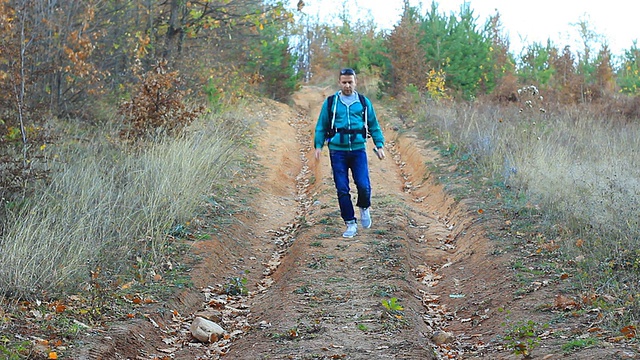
[(374, 126), (321, 129)]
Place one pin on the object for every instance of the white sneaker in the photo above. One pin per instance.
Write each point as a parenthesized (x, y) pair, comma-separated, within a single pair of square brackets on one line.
[(365, 218), (352, 229)]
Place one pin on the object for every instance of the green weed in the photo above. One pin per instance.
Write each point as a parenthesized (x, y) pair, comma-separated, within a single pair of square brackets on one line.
[(524, 336), (392, 305), (577, 344), (236, 286), (10, 350)]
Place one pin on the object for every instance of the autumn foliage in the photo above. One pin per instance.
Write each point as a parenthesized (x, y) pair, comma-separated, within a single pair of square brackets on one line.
[(157, 105)]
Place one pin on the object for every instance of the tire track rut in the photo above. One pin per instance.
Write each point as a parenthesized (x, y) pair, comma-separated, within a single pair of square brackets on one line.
[(326, 295)]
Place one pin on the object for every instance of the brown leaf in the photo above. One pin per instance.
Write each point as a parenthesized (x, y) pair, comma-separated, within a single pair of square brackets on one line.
[(616, 339), (629, 331), (565, 303), (588, 299)]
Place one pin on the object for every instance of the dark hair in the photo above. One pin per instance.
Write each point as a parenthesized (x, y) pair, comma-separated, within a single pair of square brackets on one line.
[(347, 71)]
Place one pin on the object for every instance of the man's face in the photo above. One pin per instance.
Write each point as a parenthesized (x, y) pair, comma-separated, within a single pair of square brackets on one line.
[(347, 84)]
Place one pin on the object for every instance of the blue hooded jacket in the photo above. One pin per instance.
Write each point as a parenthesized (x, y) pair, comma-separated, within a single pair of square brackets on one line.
[(348, 118)]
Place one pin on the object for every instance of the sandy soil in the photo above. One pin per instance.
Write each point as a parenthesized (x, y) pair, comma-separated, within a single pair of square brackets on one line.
[(316, 295)]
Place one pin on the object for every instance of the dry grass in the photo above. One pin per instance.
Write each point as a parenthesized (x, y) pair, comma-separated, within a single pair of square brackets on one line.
[(104, 205), (580, 168)]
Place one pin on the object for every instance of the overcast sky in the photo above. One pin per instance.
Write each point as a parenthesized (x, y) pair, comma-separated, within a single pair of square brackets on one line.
[(524, 21)]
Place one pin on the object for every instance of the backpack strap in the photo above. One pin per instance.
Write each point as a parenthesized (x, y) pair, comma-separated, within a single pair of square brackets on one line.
[(332, 104), (365, 115), (331, 107)]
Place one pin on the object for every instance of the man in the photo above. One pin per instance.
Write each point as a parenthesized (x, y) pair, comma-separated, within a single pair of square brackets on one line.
[(345, 119)]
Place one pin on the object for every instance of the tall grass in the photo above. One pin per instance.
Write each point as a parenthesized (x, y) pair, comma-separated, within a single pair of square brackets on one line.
[(581, 168), (103, 202)]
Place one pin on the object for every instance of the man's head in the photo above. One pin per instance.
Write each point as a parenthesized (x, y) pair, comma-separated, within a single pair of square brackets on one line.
[(347, 81)]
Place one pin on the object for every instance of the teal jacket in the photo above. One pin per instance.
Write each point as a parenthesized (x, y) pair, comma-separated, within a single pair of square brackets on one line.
[(348, 118)]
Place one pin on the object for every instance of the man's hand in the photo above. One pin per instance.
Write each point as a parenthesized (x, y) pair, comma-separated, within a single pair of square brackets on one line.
[(380, 153), (318, 152)]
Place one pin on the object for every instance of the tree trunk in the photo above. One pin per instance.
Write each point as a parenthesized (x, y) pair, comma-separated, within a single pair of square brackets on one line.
[(174, 33)]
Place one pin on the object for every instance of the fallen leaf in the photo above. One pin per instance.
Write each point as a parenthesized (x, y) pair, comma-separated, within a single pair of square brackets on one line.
[(429, 298), (564, 303), (169, 341), (629, 331)]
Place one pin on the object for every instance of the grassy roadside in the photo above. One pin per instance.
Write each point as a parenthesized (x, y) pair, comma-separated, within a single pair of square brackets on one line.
[(564, 185), (109, 232)]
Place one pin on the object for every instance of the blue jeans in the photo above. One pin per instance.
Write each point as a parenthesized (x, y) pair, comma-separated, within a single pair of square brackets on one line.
[(341, 163)]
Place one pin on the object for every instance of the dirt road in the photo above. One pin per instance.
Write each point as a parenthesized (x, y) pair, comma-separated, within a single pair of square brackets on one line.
[(328, 293), (423, 283)]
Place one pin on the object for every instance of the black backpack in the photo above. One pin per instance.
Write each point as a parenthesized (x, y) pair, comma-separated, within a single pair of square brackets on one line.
[(331, 132)]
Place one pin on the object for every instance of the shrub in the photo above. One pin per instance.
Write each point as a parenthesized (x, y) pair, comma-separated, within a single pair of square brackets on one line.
[(158, 105)]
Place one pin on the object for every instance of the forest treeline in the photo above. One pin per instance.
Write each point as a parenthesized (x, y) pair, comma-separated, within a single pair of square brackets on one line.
[(437, 54), (82, 59)]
